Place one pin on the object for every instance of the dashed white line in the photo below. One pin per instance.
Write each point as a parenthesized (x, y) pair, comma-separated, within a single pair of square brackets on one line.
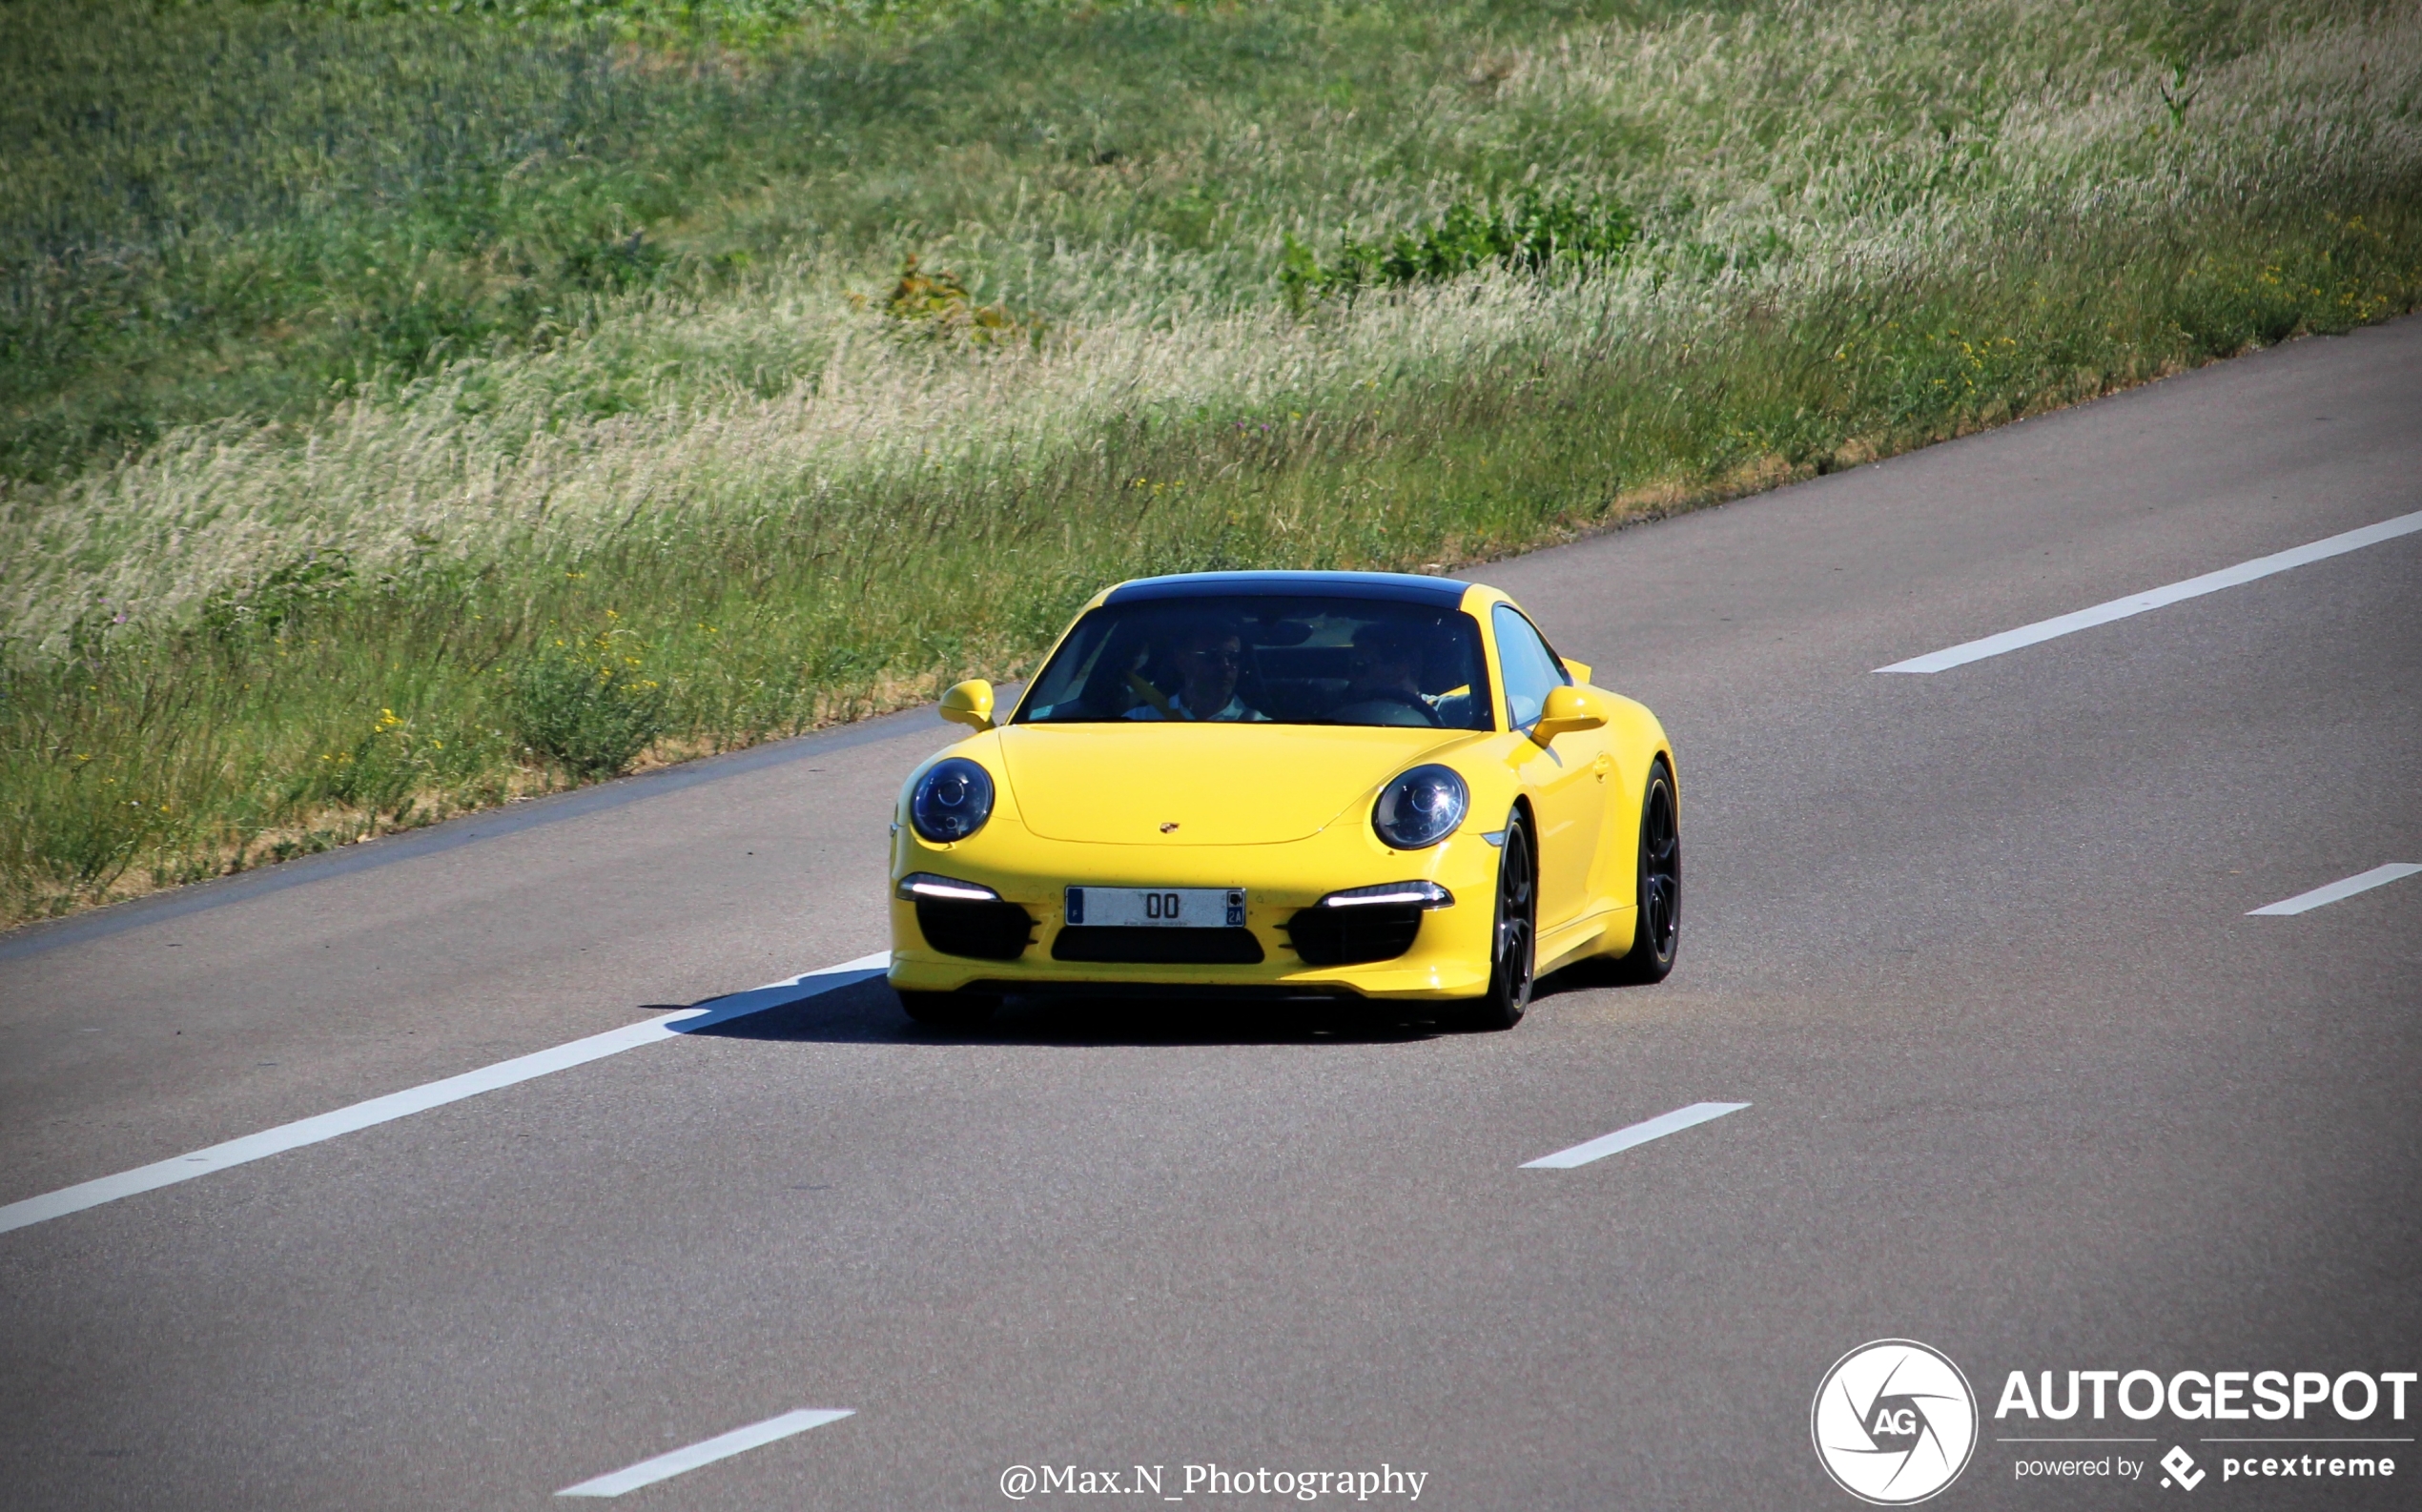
[(2027, 635), (2345, 888), (433, 1094), (722, 1446), (1638, 1133)]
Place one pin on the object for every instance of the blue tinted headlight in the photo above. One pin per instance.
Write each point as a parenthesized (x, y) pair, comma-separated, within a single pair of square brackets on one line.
[(1420, 808), (951, 801)]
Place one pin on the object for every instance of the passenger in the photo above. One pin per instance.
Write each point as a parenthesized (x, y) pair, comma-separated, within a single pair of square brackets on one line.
[(1208, 656), (1385, 669)]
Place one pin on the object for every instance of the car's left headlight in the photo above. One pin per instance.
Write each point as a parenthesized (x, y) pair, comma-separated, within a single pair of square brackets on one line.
[(1420, 808), (951, 801)]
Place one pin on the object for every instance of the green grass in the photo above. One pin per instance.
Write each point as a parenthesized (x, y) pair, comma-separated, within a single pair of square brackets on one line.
[(403, 410)]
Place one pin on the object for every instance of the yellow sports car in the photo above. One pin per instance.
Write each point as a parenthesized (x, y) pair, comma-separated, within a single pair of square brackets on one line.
[(1292, 784)]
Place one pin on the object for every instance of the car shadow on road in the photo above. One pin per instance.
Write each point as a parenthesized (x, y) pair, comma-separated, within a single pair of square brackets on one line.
[(869, 1014), (1581, 976)]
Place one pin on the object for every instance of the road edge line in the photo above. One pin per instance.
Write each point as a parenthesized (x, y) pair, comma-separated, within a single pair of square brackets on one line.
[(323, 1127), (2136, 604)]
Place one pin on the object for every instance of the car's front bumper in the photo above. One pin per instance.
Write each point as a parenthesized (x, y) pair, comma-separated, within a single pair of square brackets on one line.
[(1449, 957)]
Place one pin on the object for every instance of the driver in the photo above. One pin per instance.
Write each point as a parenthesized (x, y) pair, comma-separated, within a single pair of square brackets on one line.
[(1384, 668), (1207, 657)]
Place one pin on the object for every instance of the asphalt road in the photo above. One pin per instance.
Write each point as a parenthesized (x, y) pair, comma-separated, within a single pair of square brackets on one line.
[(2026, 1082)]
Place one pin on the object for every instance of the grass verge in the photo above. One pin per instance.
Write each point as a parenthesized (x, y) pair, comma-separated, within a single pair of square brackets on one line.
[(1281, 284)]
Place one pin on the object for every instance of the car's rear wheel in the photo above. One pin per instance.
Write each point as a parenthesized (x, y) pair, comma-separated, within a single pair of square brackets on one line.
[(1513, 947), (949, 1010), (1656, 935)]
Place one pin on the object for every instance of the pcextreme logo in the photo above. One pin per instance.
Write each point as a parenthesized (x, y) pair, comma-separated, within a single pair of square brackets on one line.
[(1893, 1421)]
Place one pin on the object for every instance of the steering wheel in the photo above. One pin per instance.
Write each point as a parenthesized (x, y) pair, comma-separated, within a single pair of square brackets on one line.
[(1398, 697)]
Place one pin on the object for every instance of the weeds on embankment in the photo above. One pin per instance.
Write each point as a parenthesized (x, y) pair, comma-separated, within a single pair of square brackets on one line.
[(713, 498)]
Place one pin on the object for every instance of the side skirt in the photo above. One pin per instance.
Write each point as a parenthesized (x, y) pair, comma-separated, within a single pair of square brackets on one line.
[(1606, 933)]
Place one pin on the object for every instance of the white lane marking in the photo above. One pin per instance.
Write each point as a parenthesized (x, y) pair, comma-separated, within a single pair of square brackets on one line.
[(2027, 635), (434, 1095), (2347, 887), (1638, 1133), (722, 1446)]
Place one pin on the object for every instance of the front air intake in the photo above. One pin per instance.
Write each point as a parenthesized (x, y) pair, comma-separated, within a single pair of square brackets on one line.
[(1132, 946), (987, 932), (1354, 936)]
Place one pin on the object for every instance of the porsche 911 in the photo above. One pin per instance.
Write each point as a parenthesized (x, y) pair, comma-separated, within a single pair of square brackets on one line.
[(1296, 784)]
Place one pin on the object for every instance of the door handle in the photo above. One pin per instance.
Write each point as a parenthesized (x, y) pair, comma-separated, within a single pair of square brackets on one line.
[(1604, 765)]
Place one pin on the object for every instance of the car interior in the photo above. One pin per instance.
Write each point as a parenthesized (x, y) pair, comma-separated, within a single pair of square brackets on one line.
[(1297, 661)]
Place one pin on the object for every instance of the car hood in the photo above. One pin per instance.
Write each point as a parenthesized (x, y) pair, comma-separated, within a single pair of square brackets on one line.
[(1200, 785)]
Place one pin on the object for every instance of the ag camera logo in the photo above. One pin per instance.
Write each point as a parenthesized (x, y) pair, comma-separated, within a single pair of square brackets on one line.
[(1893, 1421)]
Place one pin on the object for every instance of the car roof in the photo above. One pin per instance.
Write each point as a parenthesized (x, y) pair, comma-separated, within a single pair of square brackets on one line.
[(1402, 587)]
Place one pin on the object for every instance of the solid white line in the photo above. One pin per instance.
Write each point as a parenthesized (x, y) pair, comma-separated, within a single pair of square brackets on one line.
[(432, 1095), (2360, 882), (1638, 1133), (2027, 635), (722, 1446)]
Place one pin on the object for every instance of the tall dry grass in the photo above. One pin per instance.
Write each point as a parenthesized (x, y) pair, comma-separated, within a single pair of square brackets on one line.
[(1868, 225)]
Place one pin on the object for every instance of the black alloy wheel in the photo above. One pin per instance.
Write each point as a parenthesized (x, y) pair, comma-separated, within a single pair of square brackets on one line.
[(1513, 951), (1658, 936), (954, 1011)]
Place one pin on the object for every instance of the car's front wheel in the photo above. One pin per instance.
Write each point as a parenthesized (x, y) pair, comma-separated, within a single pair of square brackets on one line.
[(1656, 935), (1514, 944), (949, 1010)]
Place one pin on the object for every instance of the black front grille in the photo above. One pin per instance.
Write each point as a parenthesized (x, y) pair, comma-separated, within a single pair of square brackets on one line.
[(1374, 931), (988, 931), (1132, 946)]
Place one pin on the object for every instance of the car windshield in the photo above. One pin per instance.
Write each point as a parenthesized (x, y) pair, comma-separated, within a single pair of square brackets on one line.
[(1252, 659)]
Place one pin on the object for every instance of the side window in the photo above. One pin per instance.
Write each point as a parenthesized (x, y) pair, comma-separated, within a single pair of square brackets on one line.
[(1530, 669)]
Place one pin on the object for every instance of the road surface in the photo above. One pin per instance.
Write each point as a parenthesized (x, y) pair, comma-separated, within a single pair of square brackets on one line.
[(2025, 1079)]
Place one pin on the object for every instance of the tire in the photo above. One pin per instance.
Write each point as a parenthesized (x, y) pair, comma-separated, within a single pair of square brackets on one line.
[(1513, 951), (1656, 934), (960, 1010)]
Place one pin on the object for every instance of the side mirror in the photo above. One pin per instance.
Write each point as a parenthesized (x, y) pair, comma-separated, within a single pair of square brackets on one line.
[(1578, 670), (1567, 709), (970, 704)]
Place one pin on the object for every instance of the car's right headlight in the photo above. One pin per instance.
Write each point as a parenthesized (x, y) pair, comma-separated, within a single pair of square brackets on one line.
[(1420, 808), (952, 800)]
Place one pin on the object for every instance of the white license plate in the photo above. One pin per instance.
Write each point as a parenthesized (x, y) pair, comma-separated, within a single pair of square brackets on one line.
[(1158, 908)]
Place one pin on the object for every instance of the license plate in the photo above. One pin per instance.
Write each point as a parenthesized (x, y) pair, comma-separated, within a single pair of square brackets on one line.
[(1158, 908)]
